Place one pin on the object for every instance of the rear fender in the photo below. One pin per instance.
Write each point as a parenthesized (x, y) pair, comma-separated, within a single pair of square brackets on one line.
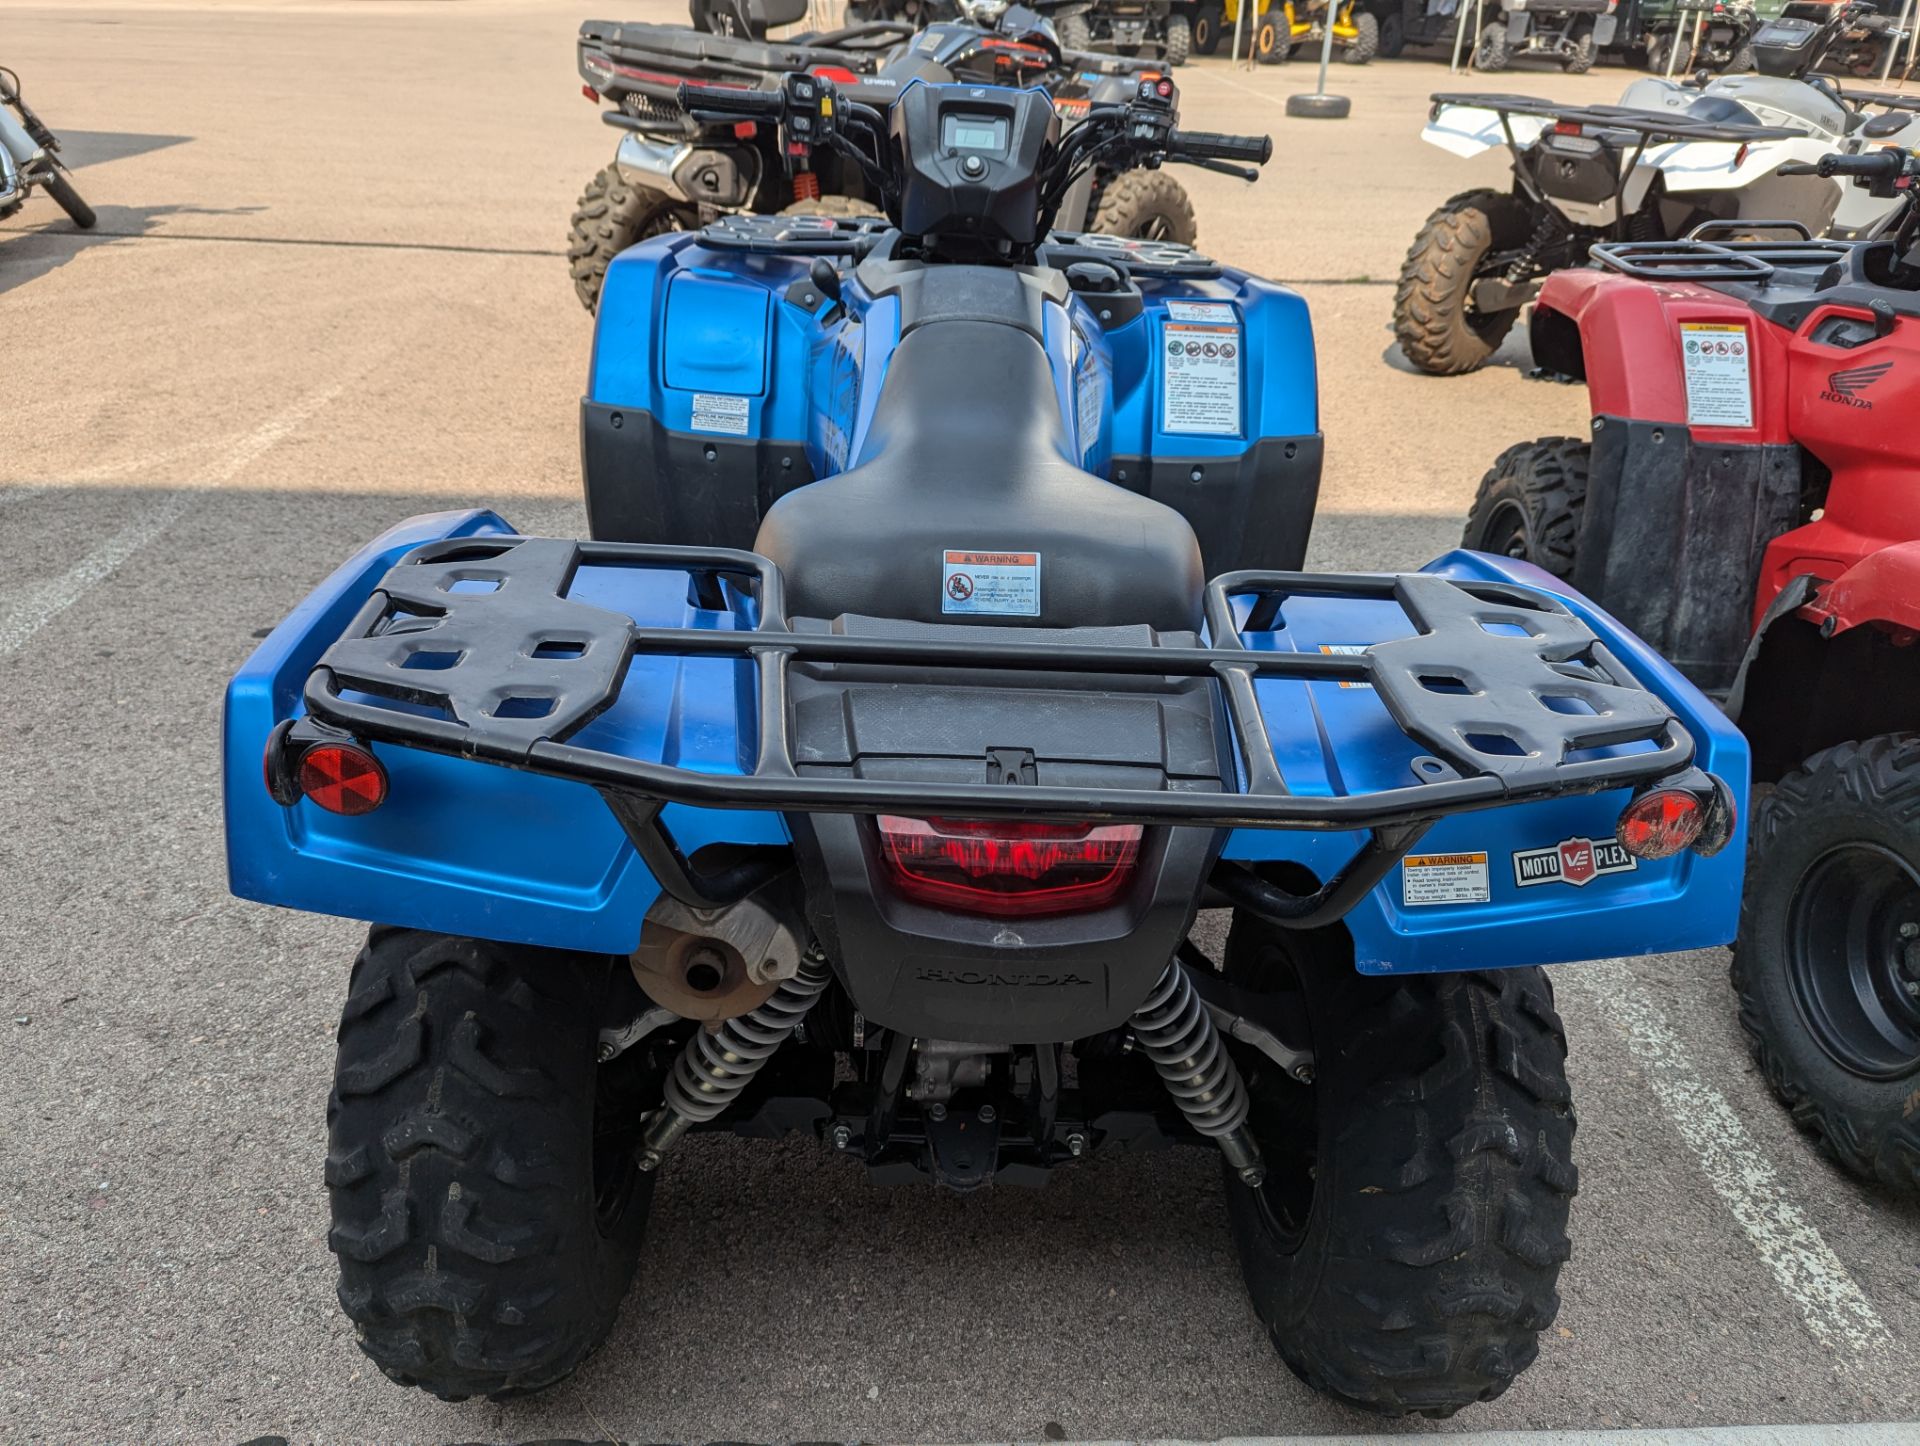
[(1469, 130), (1882, 589)]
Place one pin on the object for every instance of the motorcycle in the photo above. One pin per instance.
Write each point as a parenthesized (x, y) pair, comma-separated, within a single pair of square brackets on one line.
[(1668, 158), (30, 157), (871, 794), (670, 172)]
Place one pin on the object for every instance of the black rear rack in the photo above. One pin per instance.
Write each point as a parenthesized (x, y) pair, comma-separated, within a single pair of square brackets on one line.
[(1652, 124), (1697, 256), (531, 667)]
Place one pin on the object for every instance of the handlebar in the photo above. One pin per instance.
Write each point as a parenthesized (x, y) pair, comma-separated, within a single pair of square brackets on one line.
[(1881, 165), (1206, 145), (702, 100)]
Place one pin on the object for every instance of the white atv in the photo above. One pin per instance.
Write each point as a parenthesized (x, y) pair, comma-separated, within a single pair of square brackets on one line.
[(1670, 157)]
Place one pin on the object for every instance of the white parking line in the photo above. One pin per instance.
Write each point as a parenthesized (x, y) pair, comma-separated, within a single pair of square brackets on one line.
[(25, 610), (1804, 1266)]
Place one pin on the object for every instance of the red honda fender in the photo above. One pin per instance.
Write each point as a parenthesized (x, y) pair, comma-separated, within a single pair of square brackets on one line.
[(1881, 588)]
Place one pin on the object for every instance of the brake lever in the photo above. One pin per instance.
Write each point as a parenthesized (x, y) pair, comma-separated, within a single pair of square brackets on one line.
[(1225, 168)]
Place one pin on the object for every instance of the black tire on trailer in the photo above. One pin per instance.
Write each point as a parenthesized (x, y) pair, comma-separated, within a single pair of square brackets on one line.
[(1393, 35), (1075, 32), (1179, 40), (1147, 206), (68, 199), (612, 215), (486, 1217), (1432, 306), (1366, 40), (1271, 40), (1827, 968), (1492, 52), (1404, 1248), (1209, 26), (1530, 503), (1580, 59)]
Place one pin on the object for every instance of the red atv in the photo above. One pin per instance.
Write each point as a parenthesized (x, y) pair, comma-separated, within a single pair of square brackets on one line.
[(1749, 503)]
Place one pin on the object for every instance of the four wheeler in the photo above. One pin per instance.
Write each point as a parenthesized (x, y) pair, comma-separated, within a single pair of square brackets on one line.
[(891, 831), (1570, 32), (1274, 32), (1666, 159), (670, 171), (1854, 35), (1163, 29), (1746, 501), (30, 156), (1684, 37)]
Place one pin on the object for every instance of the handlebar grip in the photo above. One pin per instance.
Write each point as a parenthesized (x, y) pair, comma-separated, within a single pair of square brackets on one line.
[(1875, 165), (1210, 147), (700, 98)]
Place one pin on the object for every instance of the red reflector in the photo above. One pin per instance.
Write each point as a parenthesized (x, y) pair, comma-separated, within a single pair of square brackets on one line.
[(1009, 870), (343, 778), (590, 93), (745, 130), (838, 74), (1566, 128), (1659, 824)]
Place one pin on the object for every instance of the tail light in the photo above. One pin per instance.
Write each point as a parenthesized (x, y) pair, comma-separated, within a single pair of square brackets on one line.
[(1008, 870), (1661, 822), (1566, 128)]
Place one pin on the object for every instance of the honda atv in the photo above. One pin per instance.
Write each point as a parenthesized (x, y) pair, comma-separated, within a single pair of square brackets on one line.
[(1746, 502), (871, 791), (670, 172)]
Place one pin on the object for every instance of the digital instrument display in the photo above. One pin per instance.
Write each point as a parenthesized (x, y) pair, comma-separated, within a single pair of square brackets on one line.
[(974, 133)]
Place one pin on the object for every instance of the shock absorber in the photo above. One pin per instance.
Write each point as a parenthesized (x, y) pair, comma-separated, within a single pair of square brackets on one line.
[(1174, 1028), (1545, 231), (715, 1066)]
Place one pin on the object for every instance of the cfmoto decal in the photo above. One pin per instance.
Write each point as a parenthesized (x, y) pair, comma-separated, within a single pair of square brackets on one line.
[(1576, 861)]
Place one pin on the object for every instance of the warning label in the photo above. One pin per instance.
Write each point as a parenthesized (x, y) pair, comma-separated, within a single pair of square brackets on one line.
[(713, 412), (1718, 363), (1213, 313), (1443, 879), (1005, 584), (1201, 390), (1348, 650)]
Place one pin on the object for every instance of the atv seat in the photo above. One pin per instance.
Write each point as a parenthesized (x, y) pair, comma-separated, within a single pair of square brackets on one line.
[(968, 452)]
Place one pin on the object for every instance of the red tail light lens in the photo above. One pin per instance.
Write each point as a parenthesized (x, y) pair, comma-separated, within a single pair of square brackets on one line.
[(343, 778), (1009, 870), (1567, 128), (1661, 823)]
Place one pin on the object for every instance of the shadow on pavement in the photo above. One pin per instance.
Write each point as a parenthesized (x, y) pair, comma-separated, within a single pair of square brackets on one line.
[(43, 240), (93, 148)]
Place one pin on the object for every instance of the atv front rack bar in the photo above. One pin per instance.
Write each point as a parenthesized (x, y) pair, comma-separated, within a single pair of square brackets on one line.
[(530, 667), (1652, 124)]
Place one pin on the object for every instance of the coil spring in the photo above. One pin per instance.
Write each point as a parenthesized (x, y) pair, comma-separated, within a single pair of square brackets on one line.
[(714, 1068), (1177, 1034), (1545, 230)]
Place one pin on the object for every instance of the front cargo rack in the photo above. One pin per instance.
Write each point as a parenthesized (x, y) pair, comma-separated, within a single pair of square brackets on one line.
[(1702, 254), (1475, 686)]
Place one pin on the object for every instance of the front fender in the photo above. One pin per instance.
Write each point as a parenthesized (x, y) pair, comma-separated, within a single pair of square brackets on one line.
[(1883, 588)]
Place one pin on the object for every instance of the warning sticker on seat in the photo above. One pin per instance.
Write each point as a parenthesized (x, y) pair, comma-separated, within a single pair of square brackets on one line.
[(1200, 390), (1348, 650), (1719, 370), (1000, 584), (1443, 879), (713, 412)]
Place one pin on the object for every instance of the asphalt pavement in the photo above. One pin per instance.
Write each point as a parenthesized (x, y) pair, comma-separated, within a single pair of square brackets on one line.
[(327, 291)]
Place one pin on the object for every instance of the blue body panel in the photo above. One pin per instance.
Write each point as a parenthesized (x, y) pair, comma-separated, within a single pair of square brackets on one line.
[(468, 848)]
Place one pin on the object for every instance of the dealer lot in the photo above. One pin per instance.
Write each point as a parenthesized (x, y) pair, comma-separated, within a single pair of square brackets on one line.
[(326, 292)]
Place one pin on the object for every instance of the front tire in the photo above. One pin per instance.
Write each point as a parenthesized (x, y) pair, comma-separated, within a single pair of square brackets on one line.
[(1580, 59), (1179, 40), (1433, 319), (1530, 502), (1271, 41), (1404, 1249), (68, 199), (1827, 968), (1393, 36), (1146, 206), (613, 214), (1208, 23), (1366, 40), (486, 1222), (1494, 52)]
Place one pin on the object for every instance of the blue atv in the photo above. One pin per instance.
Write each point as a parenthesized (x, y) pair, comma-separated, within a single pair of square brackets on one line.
[(865, 777)]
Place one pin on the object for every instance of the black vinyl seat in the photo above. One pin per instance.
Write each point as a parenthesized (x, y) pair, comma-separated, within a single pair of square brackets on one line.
[(969, 452)]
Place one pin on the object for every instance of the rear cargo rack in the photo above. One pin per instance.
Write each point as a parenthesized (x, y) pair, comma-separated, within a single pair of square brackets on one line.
[(1699, 257), (1476, 686), (1652, 124)]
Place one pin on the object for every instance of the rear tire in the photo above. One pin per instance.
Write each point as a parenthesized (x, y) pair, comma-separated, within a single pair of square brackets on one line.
[(1179, 40), (486, 1223), (1209, 22), (1404, 1249), (1393, 36), (1492, 52), (1075, 32), (1437, 331), (1270, 46), (612, 215), (1366, 41), (1741, 62), (1147, 206), (68, 199), (1530, 502), (1829, 988), (1584, 52)]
